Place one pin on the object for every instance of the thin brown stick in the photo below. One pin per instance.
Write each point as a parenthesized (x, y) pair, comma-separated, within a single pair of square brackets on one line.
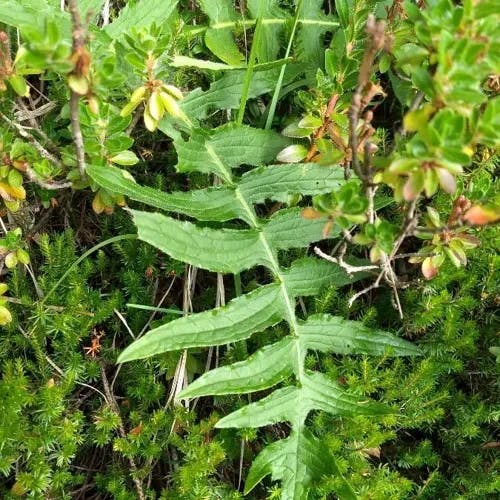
[(25, 135), (121, 429), (135, 119), (377, 40), (321, 131), (77, 132), (33, 177), (344, 265), (81, 67), (374, 285), (387, 273), (409, 226), (28, 114)]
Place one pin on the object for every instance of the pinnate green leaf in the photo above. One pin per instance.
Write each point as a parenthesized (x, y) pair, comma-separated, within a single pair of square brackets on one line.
[(237, 321), (307, 276), (297, 462), (277, 182), (220, 41), (293, 404), (226, 148), (327, 333), (288, 229), (215, 204), (279, 406), (219, 250), (270, 41), (225, 93), (265, 368), (140, 14)]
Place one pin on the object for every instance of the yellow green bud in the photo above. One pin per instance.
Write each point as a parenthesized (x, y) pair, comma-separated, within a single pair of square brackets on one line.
[(170, 104), (173, 91), (155, 106)]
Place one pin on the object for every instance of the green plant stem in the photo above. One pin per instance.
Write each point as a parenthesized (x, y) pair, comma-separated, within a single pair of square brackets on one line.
[(156, 309), (279, 83), (250, 65), (266, 22), (83, 257)]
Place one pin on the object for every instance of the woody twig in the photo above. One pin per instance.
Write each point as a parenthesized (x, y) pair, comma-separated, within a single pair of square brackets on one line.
[(81, 61)]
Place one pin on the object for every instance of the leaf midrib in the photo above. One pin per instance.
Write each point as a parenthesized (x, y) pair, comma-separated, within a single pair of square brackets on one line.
[(276, 269), (265, 21)]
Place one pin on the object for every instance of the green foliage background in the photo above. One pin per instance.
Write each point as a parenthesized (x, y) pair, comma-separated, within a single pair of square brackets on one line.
[(60, 437)]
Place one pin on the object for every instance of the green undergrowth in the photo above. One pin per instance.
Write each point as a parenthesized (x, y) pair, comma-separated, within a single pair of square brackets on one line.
[(171, 327)]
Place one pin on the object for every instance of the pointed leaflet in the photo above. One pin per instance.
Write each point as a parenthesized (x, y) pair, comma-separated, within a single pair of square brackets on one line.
[(221, 41), (226, 148), (238, 320), (270, 42), (321, 393), (310, 38), (309, 275), (140, 14), (265, 368), (293, 404), (288, 229), (280, 406), (218, 250), (225, 93), (334, 334), (276, 182), (297, 461), (211, 204)]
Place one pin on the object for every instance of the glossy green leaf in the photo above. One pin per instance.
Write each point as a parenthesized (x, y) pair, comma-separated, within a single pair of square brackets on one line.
[(238, 320), (124, 158), (140, 14), (277, 182), (219, 250), (267, 367), (226, 148), (216, 204), (297, 461), (327, 333), (292, 154)]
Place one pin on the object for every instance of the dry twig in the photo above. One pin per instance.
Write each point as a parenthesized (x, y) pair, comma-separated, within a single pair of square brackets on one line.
[(25, 135), (344, 265), (81, 59), (365, 90)]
